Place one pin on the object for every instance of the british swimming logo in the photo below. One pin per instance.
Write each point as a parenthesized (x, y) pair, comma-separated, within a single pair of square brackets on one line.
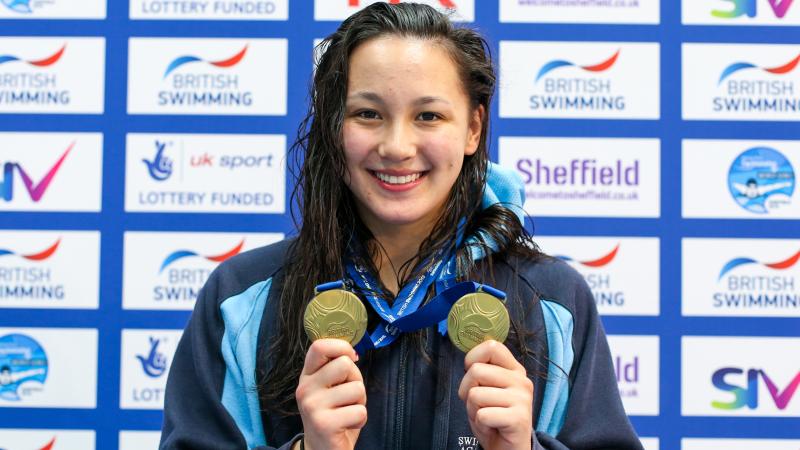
[(743, 385), (600, 279), (37, 256), (560, 63), (787, 263), (597, 262), (181, 254), (202, 86), (47, 61), (36, 190), (160, 168), (36, 87), (758, 287), (579, 80), (23, 367), (188, 59), (154, 364), (781, 69), (749, 8), (761, 180), (568, 92), (213, 76)]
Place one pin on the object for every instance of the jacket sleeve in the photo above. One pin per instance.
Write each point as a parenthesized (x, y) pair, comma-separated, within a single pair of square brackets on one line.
[(595, 418), (195, 416)]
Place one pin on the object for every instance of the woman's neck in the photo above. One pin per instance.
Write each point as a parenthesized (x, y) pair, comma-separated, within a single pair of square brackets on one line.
[(399, 244)]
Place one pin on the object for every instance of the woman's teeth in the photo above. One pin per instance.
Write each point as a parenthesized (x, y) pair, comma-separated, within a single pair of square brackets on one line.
[(391, 179)]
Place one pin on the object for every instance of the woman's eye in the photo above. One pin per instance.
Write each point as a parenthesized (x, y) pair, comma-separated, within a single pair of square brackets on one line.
[(368, 114), (428, 116)]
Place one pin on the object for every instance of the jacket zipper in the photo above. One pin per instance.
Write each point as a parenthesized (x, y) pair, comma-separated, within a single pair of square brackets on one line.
[(401, 396)]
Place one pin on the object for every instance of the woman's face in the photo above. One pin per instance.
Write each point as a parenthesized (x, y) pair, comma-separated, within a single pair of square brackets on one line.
[(408, 125)]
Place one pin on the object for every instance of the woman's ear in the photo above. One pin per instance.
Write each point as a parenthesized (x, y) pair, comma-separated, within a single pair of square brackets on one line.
[(474, 129)]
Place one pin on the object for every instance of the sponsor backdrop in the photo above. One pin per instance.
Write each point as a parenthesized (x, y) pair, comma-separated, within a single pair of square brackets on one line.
[(143, 142)]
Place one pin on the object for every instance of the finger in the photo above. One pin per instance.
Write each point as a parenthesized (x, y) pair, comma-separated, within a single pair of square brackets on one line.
[(351, 417), (337, 371), (498, 418), (345, 394), (324, 350), (492, 352), (483, 374), (485, 397)]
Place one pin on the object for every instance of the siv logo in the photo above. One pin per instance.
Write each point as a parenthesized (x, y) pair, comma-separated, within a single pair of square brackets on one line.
[(761, 180), (155, 363), (35, 190), (749, 8), (600, 282), (39, 256), (23, 367), (747, 395), (160, 168)]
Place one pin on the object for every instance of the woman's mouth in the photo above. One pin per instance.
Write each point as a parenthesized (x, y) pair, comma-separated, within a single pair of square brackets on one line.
[(397, 182), (398, 179)]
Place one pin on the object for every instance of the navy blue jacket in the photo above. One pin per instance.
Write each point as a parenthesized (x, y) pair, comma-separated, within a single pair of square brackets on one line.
[(212, 403)]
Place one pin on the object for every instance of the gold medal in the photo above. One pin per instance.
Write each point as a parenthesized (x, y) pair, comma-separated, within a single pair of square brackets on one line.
[(475, 318), (336, 314)]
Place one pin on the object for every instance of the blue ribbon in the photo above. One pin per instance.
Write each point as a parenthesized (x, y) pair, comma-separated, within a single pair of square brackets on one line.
[(434, 311)]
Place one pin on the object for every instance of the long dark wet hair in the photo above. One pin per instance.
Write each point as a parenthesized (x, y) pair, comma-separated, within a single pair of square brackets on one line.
[(330, 226)]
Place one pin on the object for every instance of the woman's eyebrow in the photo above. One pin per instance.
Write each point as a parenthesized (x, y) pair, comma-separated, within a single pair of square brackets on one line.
[(374, 97), (430, 99), (366, 95)]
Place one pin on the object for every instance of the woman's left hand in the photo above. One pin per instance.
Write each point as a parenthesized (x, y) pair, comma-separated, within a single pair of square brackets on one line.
[(499, 397)]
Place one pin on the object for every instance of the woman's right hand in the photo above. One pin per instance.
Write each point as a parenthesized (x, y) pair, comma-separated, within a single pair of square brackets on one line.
[(331, 396)]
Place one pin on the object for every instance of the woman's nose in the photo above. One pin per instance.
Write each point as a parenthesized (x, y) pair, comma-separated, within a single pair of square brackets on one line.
[(398, 142)]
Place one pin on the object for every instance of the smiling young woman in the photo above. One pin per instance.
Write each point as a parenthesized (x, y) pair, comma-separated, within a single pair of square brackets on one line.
[(399, 201)]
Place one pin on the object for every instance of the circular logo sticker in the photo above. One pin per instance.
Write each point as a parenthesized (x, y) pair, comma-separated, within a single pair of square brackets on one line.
[(23, 367), (761, 180)]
